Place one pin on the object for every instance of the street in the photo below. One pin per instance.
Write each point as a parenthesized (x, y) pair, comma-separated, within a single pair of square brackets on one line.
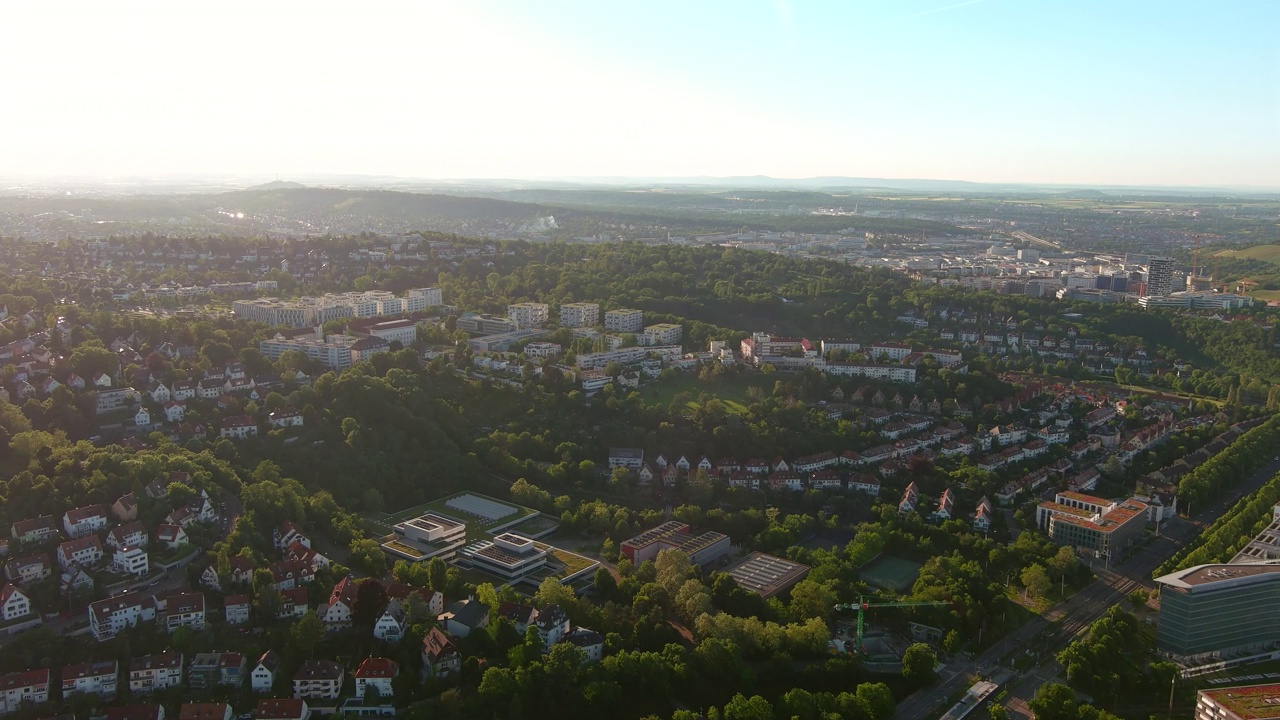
[(1070, 616)]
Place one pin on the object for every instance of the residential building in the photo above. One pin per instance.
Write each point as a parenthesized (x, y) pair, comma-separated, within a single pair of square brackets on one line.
[(136, 712), (462, 616), (204, 711), (22, 689), (440, 657), (83, 552), (580, 314), (375, 675), (527, 315), (171, 536), (108, 617), (93, 678), (336, 352), (632, 458), (662, 334), (238, 427), (389, 627), (1160, 276), (589, 641), (483, 324), (336, 614), (126, 508), (235, 609), (181, 609), (131, 560), (624, 320), (14, 604), (285, 417), (85, 521), (35, 531), (208, 670), (154, 673), (263, 677), (318, 680), (282, 709), (552, 623)]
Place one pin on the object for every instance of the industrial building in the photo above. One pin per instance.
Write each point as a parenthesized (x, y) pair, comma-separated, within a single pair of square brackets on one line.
[(702, 549)]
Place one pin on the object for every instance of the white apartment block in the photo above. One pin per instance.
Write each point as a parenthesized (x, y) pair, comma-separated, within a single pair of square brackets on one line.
[(131, 560), (420, 299), (110, 616), (311, 311), (542, 350), (662, 334), (528, 314), (97, 678), (336, 352), (30, 687), (580, 314), (625, 320)]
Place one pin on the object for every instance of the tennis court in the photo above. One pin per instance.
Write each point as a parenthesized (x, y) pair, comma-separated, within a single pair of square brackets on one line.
[(891, 573)]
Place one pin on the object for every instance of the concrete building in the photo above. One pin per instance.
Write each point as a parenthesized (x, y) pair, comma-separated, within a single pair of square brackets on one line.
[(767, 575), (702, 549), (625, 320), (336, 352), (1104, 528), (153, 673), (426, 536), (1160, 276), (528, 314), (662, 334), (480, 324), (509, 556), (581, 314)]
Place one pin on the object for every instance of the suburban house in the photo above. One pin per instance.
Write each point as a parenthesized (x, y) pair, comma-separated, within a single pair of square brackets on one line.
[(136, 712), (463, 616), (375, 675), (131, 560), (14, 604), (84, 521), (210, 670), (288, 534), (95, 678), (293, 603), (235, 609), (589, 641), (440, 656), (982, 515), (282, 709), (909, 499), (263, 677), (181, 609), (132, 533), (83, 552), (29, 569), (336, 613), (238, 427), (152, 673), (126, 508), (170, 536), (390, 625), (34, 531), (285, 417), (204, 711), (23, 688), (318, 679), (552, 624)]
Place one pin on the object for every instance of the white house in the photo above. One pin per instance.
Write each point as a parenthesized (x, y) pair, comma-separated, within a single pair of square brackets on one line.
[(390, 626), (552, 624), (263, 677), (171, 536), (285, 417), (110, 616), (131, 533), (23, 688), (235, 609), (589, 641), (142, 418), (336, 613), (318, 679), (131, 560), (14, 604), (174, 411), (376, 674), (85, 521), (81, 552), (95, 678), (238, 427)]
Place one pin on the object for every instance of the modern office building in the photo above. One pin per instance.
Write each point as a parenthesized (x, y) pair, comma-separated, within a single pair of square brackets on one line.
[(1214, 611), (481, 324), (580, 314), (627, 320), (509, 556), (424, 537), (1103, 528)]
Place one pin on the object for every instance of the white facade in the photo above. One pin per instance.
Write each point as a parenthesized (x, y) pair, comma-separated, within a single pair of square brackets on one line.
[(626, 320), (580, 314), (528, 314), (131, 560)]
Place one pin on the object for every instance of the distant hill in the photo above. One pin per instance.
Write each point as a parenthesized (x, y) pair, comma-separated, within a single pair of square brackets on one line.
[(278, 185)]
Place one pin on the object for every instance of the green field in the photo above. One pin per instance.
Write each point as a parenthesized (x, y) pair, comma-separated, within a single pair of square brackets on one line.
[(730, 390), (1265, 253), (891, 573)]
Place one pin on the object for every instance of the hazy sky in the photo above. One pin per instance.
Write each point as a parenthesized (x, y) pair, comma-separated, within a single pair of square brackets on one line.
[(1064, 91)]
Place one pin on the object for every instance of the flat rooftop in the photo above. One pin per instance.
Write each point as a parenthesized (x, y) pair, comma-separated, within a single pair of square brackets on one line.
[(431, 521), (1253, 702), (1204, 575), (652, 535), (767, 575)]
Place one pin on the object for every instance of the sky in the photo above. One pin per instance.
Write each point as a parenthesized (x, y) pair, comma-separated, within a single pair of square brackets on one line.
[(1028, 91)]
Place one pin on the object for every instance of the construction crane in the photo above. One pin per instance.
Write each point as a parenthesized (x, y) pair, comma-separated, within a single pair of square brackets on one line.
[(863, 605)]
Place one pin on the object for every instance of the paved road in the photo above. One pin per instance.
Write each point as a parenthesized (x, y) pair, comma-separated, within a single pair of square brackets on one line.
[(1071, 615)]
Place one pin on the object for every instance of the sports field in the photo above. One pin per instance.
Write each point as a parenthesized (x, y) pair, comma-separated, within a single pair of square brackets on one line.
[(891, 573)]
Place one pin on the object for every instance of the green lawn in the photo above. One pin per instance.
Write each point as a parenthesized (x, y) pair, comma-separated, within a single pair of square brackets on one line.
[(730, 390), (1265, 253)]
